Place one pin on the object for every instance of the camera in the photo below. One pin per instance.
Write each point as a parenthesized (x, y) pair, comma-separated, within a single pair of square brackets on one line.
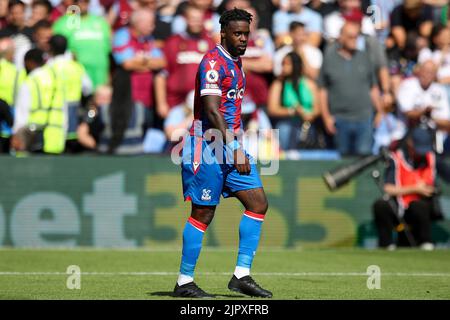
[(338, 177)]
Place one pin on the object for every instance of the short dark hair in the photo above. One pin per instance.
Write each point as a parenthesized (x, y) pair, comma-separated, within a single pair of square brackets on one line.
[(42, 24), (234, 15), (36, 55), (58, 44), (44, 3), (296, 24)]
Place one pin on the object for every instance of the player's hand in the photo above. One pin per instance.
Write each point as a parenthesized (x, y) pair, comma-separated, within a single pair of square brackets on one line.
[(424, 190), (241, 162)]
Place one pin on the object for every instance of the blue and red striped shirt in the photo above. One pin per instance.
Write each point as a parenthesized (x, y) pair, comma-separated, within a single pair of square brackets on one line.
[(222, 75)]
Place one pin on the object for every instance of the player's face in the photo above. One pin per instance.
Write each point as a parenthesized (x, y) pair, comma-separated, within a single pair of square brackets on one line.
[(236, 37)]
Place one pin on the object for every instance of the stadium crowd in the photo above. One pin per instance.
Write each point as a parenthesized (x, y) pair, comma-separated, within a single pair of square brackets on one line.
[(117, 76)]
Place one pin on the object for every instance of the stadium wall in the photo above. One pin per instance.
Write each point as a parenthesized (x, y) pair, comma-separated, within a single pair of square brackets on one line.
[(137, 202)]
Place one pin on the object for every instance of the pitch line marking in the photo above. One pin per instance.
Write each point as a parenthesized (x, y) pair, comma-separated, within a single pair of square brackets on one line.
[(270, 274)]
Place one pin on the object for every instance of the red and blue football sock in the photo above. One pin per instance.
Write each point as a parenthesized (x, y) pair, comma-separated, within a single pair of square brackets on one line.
[(192, 245), (249, 234)]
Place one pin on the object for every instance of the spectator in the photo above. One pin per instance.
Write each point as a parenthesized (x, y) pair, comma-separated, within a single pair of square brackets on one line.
[(75, 83), (311, 56), (376, 52), (293, 101), (183, 53), (410, 182), (40, 107), (349, 93), (136, 53), (402, 63), (411, 16), (257, 62), (91, 127), (120, 12), (440, 54), (40, 10), (264, 8), (180, 117), (381, 17), (61, 9), (167, 9), (17, 29), (10, 80), (89, 42), (334, 21), (7, 49), (438, 7), (421, 97), (96, 130), (211, 21), (42, 31), (3, 13), (323, 8), (390, 128), (297, 12), (258, 138), (135, 50)]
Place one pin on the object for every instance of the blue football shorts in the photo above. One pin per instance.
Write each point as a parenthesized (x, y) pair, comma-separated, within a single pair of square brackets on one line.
[(205, 176)]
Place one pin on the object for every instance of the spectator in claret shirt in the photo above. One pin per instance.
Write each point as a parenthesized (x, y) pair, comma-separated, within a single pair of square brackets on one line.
[(138, 57), (183, 53)]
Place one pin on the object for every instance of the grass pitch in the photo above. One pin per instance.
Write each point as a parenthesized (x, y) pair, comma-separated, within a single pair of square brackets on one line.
[(289, 274)]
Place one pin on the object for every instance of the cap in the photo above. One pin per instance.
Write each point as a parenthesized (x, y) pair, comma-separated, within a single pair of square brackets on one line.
[(422, 139), (354, 15)]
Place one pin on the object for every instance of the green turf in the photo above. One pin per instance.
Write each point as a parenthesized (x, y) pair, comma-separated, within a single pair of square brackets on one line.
[(423, 275)]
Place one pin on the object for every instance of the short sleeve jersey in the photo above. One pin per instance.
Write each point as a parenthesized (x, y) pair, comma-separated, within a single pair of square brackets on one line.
[(222, 75)]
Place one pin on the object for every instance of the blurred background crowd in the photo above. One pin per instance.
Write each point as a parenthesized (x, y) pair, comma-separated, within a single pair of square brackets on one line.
[(117, 76)]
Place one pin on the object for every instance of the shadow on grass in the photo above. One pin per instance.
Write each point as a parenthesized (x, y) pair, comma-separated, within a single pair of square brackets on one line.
[(170, 294)]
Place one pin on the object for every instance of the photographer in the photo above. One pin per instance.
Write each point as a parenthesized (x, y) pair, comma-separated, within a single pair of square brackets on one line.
[(411, 195)]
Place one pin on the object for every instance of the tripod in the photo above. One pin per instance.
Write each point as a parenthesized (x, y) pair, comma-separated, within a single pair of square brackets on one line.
[(402, 225)]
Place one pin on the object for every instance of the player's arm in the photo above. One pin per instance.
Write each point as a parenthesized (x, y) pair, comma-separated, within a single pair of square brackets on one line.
[(211, 105)]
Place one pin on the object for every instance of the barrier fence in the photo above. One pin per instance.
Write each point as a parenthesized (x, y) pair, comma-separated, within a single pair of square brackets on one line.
[(137, 202)]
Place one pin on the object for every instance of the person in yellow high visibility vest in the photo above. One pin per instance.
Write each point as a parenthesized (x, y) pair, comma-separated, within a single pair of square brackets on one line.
[(10, 79), (76, 83), (40, 108)]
